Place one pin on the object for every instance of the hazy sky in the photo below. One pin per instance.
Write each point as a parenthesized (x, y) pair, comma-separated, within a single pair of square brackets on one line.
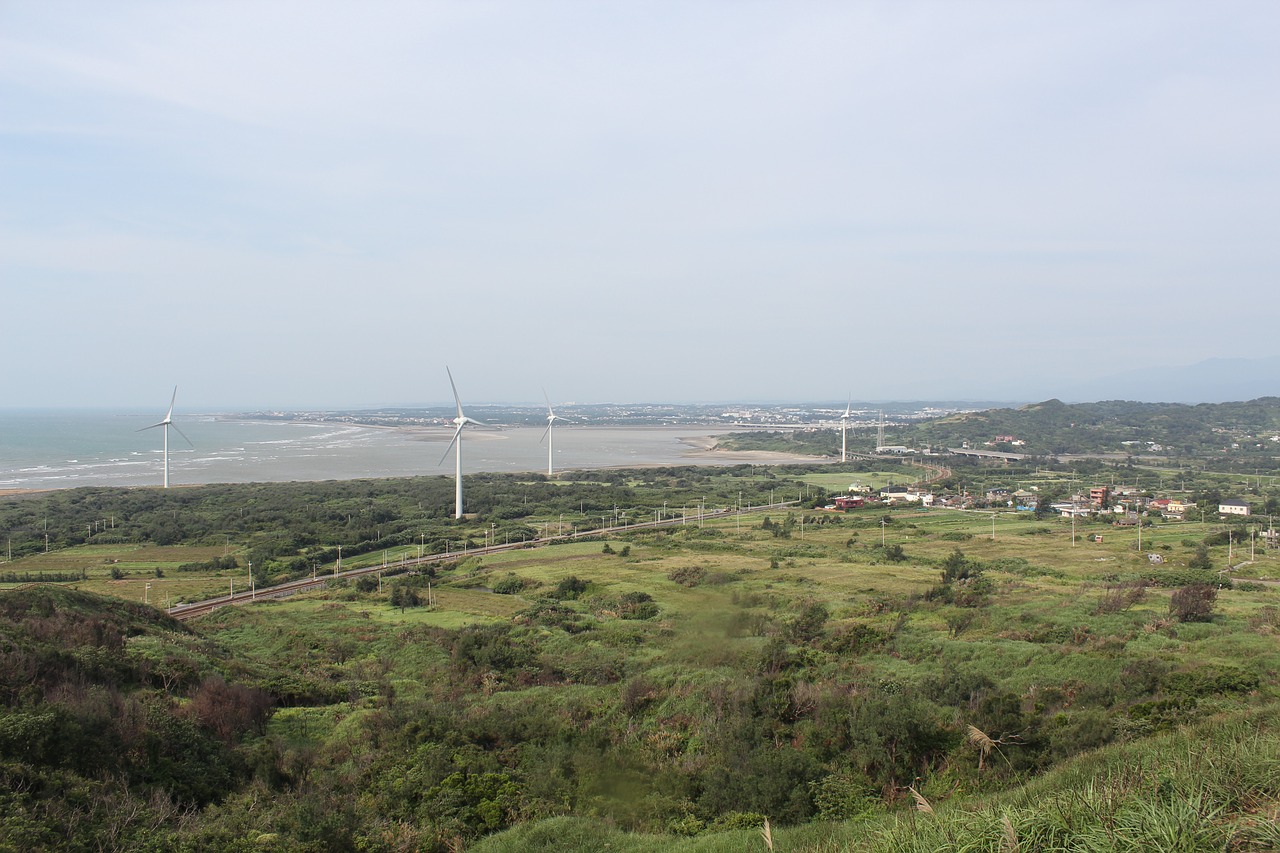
[(279, 204)]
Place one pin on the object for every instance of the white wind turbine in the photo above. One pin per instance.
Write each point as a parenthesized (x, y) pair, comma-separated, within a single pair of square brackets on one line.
[(166, 423), (460, 421), (844, 427), (547, 436)]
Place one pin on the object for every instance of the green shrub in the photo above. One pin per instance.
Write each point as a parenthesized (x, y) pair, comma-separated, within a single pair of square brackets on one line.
[(688, 576), (509, 585)]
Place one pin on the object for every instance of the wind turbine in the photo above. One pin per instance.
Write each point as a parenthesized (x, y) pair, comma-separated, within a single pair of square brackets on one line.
[(460, 421), (552, 417), (844, 427), (166, 423)]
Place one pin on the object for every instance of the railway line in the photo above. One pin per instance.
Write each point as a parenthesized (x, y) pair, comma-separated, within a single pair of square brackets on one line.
[(183, 612)]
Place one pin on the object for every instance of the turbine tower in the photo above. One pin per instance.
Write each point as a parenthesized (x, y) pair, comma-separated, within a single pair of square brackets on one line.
[(166, 423), (460, 421), (552, 417), (844, 428)]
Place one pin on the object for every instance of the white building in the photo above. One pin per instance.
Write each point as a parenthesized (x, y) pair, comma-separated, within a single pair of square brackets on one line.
[(1233, 507)]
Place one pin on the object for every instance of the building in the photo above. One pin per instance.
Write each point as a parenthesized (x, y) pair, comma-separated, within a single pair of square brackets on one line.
[(1100, 496), (849, 502), (1233, 507)]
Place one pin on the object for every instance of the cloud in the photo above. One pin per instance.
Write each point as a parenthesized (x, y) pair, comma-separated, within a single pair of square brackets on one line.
[(612, 189)]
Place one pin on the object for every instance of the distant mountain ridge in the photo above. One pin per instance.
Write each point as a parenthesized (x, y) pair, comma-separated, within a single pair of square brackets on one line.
[(1215, 380)]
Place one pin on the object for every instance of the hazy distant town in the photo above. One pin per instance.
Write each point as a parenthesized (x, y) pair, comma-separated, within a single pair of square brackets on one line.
[(747, 415)]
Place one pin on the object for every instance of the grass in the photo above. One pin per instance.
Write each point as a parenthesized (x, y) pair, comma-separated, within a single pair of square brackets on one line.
[(1203, 789), (1039, 637), (840, 481)]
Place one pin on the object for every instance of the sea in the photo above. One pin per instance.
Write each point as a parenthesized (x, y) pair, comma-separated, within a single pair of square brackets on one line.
[(59, 449)]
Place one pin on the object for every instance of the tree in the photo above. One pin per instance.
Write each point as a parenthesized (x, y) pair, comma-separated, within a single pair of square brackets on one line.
[(958, 568), (1044, 503), (1201, 559)]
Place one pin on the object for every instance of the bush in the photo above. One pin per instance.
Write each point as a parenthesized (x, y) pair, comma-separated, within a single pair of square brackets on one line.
[(509, 585), (637, 605), (1193, 603), (1201, 559), (689, 576), (569, 589), (809, 624), (1120, 597)]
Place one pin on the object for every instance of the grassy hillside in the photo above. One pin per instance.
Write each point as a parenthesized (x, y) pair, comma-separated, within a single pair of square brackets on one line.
[(668, 690), (1238, 436)]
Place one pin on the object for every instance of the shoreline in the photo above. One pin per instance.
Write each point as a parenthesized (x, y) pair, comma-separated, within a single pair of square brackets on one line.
[(697, 450)]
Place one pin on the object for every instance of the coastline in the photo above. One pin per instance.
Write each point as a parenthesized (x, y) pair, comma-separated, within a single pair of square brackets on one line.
[(346, 452), (709, 445)]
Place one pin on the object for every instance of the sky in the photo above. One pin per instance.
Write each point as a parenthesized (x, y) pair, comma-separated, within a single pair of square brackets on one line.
[(322, 204)]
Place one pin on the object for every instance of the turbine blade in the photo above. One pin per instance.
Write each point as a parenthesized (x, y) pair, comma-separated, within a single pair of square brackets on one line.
[(172, 400), (543, 440), (153, 426), (550, 413), (456, 398), (457, 432), (184, 436)]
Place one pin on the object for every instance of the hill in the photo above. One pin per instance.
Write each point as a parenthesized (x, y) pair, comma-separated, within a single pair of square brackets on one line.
[(669, 689), (1052, 428)]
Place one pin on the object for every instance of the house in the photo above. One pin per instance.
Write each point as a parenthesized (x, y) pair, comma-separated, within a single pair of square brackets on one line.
[(849, 502), (1023, 499), (1100, 495), (1177, 508), (1234, 507), (1160, 504)]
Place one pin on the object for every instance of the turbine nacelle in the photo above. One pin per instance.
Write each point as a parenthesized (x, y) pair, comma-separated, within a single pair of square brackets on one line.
[(456, 443), (166, 423)]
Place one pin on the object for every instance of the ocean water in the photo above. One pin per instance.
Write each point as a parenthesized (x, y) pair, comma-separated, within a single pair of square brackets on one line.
[(52, 449)]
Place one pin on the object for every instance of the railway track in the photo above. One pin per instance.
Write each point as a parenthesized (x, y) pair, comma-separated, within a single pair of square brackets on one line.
[(183, 612)]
